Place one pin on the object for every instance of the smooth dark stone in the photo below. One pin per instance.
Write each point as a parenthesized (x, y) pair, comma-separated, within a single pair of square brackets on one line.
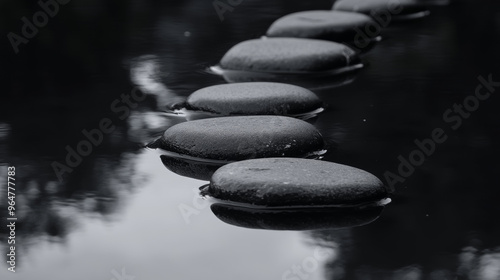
[(292, 182), (258, 98), (289, 55), (238, 138), (189, 168), (303, 219), (338, 26), (395, 9)]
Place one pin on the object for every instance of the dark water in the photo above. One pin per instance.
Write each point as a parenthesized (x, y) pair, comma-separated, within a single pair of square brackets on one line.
[(118, 212)]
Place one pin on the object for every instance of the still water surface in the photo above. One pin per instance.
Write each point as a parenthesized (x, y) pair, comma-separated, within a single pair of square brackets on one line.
[(117, 213)]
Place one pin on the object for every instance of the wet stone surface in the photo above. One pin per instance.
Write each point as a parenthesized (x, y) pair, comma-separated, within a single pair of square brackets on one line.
[(338, 26), (238, 138), (289, 55), (289, 182), (257, 98)]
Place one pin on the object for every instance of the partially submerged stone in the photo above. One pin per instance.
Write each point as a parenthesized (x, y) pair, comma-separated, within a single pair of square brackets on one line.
[(292, 182), (259, 98), (290, 55), (384, 11), (337, 26), (238, 138)]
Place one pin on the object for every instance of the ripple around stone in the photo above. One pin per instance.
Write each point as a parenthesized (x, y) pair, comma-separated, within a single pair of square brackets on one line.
[(304, 219), (292, 182), (337, 26), (258, 98), (228, 139), (290, 55), (384, 11)]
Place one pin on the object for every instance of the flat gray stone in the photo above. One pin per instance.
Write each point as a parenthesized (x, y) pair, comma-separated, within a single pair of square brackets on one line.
[(257, 98), (238, 138), (289, 182), (394, 8), (338, 26), (288, 55)]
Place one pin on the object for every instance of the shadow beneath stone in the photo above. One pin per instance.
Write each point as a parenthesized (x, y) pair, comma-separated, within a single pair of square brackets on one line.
[(191, 114), (308, 80), (296, 219), (190, 168)]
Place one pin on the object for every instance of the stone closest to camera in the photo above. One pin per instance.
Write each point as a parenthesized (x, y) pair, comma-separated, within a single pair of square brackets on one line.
[(287, 55), (336, 26), (383, 10), (289, 182), (257, 98), (238, 138)]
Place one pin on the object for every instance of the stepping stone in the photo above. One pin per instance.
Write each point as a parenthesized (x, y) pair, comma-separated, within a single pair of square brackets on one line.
[(291, 182), (299, 219), (228, 139), (290, 55), (384, 11), (338, 26), (257, 98)]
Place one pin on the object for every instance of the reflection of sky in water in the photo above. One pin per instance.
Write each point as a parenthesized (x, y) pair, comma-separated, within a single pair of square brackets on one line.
[(150, 238)]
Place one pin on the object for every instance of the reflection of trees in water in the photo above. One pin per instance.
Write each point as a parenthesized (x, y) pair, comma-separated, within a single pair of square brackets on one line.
[(439, 232), (340, 241), (49, 209), (33, 139), (441, 222)]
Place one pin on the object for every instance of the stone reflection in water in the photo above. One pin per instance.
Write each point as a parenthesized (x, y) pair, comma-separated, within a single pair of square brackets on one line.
[(308, 80), (295, 219), (190, 168)]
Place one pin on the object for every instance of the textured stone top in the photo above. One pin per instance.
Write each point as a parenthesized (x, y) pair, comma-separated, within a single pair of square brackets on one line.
[(294, 182), (238, 138), (257, 98)]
